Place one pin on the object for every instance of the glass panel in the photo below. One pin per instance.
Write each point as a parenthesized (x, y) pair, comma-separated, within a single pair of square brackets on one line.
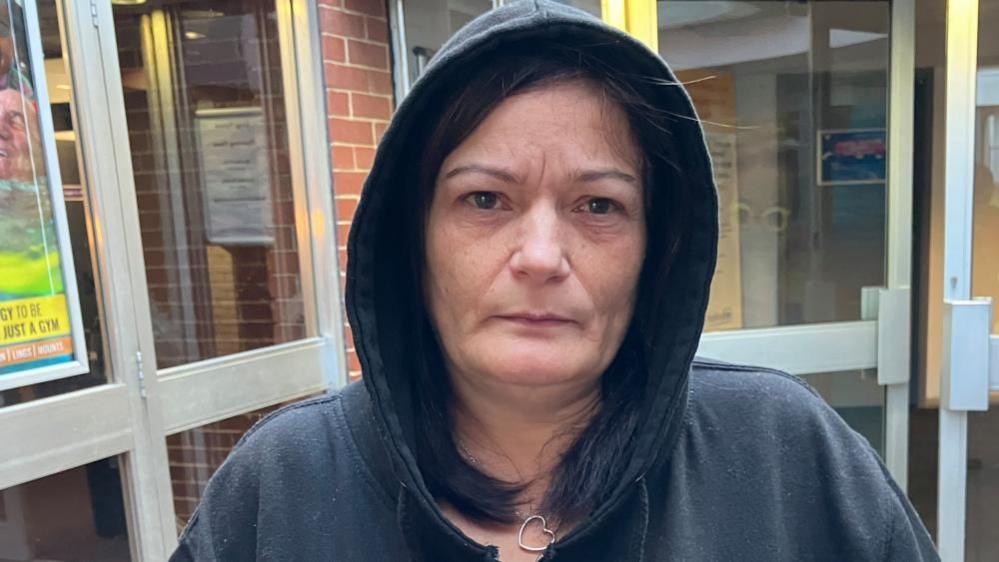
[(982, 507), (857, 398), (197, 453), (206, 121), (983, 427), (77, 214), (429, 23), (73, 516), (795, 99)]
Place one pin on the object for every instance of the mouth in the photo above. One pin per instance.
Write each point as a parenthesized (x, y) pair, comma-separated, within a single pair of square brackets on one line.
[(537, 319)]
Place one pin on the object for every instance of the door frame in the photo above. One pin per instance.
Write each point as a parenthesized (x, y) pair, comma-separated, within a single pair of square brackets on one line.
[(970, 364), (139, 407)]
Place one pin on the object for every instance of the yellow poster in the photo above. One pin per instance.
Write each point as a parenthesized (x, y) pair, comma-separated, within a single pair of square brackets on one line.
[(37, 320)]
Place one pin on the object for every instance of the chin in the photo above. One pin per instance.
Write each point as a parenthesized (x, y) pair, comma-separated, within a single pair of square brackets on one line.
[(534, 363)]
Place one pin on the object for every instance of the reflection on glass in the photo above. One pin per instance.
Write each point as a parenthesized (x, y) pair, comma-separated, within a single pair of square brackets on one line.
[(77, 213), (794, 96), (206, 119), (985, 255), (73, 516), (983, 427), (429, 23)]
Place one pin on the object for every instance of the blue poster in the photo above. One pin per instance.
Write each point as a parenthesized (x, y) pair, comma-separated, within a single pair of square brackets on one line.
[(852, 156)]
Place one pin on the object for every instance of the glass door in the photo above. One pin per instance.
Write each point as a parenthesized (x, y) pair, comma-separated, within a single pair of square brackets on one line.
[(236, 287), (969, 381), (801, 102)]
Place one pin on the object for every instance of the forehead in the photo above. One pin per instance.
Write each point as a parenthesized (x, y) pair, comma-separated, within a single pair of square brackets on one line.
[(573, 122)]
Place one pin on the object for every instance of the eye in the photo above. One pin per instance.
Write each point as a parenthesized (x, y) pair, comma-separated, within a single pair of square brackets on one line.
[(600, 206), (485, 200)]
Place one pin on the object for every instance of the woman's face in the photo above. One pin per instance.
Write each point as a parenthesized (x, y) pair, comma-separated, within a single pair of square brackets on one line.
[(535, 238)]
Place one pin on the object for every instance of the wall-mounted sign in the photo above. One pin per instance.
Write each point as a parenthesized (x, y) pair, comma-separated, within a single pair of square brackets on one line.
[(235, 175), (41, 332), (851, 157)]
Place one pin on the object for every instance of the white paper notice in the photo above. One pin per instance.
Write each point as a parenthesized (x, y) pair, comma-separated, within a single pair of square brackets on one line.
[(236, 176)]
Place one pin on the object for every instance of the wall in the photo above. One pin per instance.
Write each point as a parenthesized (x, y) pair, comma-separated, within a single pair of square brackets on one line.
[(355, 50)]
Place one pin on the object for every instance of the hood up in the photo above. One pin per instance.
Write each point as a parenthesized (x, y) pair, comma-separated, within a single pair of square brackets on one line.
[(381, 295)]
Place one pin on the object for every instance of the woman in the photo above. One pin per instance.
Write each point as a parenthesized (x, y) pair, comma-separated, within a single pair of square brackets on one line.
[(529, 270)]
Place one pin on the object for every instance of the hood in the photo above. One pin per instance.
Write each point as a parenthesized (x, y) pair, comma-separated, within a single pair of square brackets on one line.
[(382, 305)]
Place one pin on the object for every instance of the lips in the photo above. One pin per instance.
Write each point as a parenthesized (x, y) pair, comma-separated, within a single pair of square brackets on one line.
[(537, 319)]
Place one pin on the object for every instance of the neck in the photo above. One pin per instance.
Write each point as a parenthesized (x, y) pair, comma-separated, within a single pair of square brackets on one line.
[(519, 433)]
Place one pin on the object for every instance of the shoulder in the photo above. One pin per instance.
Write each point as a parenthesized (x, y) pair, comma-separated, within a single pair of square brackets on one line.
[(294, 463), (758, 398), (769, 439), (302, 426)]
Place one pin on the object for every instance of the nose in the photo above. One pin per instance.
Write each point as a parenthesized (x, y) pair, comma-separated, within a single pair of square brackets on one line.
[(540, 255)]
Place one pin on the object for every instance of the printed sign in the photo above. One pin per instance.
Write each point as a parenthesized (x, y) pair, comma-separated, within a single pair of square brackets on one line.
[(236, 176), (853, 156), (40, 328)]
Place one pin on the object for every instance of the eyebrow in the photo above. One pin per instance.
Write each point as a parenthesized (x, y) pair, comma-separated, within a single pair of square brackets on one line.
[(608, 173), (498, 173), (506, 176)]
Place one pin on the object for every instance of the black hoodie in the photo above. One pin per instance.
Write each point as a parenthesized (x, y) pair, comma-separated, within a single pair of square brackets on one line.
[(731, 462)]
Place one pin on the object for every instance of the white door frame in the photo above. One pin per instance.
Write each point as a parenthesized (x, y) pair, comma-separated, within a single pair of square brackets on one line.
[(970, 366)]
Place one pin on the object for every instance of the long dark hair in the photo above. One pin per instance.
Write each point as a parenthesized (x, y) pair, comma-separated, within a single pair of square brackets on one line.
[(601, 452)]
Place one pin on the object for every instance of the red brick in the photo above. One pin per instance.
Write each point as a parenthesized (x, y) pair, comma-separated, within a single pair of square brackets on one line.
[(370, 7), (343, 158), (346, 77), (343, 24), (353, 363), (342, 233), (338, 104), (345, 208), (367, 54), (342, 256), (349, 183), (378, 29), (380, 131), (379, 82), (364, 157), (334, 49), (371, 106), (333, 3), (350, 132)]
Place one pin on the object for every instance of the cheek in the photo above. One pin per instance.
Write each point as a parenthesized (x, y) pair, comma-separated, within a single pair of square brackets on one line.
[(611, 274), (455, 274)]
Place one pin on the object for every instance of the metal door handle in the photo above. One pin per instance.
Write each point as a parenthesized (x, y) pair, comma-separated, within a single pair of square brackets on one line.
[(969, 368)]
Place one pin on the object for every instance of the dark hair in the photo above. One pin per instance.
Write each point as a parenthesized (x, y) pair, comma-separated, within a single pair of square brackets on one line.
[(602, 450)]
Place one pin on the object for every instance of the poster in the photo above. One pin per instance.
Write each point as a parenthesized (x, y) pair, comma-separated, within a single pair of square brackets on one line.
[(236, 179), (40, 328), (854, 156), (713, 92)]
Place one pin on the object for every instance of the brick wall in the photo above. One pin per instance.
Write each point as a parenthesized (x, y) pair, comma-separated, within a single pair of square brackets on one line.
[(355, 36)]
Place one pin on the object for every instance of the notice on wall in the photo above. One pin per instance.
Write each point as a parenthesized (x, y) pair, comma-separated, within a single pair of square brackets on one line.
[(41, 335), (235, 172), (713, 93)]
